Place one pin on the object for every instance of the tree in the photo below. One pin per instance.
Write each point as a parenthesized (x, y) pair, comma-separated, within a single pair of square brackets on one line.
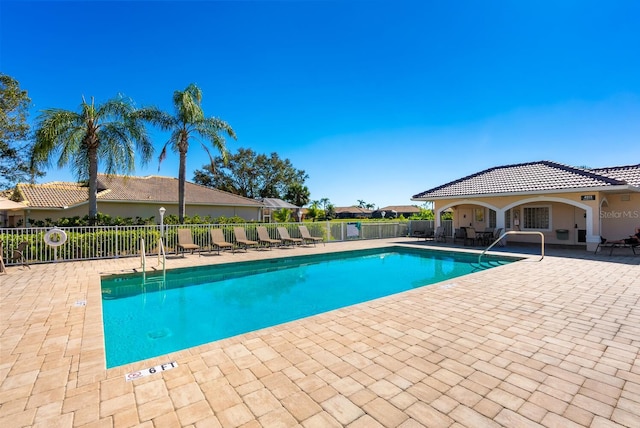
[(297, 194), (14, 131), (313, 212), (110, 134), (283, 215), (256, 176), (363, 204), (189, 121), (327, 212)]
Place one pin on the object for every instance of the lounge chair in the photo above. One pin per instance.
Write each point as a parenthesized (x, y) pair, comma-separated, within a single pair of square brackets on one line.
[(306, 236), (242, 240), (611, 245), (265, 239), (286, 239), (185, 242), (440, 235), (218, 241)]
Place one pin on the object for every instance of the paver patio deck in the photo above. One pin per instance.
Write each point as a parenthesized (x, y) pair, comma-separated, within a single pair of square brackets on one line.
[(553, 343)]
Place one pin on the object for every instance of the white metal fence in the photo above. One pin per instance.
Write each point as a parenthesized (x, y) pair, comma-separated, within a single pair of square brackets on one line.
[(107, 242)]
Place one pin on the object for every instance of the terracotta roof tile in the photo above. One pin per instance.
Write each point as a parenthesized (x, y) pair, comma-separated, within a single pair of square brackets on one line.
[(534, 177), (52, 195), (401, 208), (353, 210), (629, 174), (121, 188)]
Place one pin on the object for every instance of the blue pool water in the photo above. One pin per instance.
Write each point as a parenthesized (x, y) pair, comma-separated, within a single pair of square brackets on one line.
[(148, 317)]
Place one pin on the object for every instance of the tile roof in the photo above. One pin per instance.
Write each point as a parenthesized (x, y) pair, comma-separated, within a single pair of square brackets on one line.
[(629, 174), (52, 195), (131, 189), (401, 208), (353, 210), (8, 205), (534, 177)]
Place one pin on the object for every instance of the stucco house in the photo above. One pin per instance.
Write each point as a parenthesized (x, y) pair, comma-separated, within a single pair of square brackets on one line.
[(569, 205), (401, 210), (126, 197), (352, 212)]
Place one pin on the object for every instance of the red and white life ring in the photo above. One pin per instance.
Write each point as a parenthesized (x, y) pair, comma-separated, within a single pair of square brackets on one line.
[(60, 237)]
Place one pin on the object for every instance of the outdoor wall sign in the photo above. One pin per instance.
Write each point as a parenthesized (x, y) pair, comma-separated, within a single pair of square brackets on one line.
[(588, 197)]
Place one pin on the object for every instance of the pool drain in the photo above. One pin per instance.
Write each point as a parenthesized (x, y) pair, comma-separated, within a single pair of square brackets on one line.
[(159, 334)]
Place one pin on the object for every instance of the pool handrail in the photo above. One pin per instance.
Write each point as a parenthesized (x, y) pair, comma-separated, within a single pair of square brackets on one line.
[(164, 256), (516, 232), (143, 256)]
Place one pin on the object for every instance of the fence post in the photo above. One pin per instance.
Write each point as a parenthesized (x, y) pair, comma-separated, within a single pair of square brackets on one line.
[(117, 241)]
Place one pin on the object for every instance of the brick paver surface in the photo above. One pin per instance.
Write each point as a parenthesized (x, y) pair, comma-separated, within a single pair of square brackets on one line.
[(552, 343)]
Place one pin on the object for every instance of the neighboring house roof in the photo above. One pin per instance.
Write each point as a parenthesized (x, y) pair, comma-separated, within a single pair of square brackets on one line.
[(542, 176), (401, 209), (276, 203), (8, 205), (116, 188), (352, 210)]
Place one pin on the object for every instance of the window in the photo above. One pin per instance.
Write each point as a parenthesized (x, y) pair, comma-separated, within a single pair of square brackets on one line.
[(507, 219), (479, 215), (536, 218), (492, 218)]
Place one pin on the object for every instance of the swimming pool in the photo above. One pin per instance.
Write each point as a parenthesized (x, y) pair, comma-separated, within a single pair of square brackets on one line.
[(148, 316)]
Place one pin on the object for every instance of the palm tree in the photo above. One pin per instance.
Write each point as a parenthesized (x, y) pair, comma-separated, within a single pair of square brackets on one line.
[(189, 120), (110, 134)]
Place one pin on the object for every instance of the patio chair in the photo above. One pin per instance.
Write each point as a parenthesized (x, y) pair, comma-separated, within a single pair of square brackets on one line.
[(19, 254), (440, 235), (471, 236), (611, 245), (2, 268), (242, 240), (185, 242), (497, 234), (306, 236), (459, 235), (265, 239), (486, 236), (286, 239), (218, 241)]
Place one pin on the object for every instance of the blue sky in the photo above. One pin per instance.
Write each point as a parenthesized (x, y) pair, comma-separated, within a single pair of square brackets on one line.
[(375, 100)]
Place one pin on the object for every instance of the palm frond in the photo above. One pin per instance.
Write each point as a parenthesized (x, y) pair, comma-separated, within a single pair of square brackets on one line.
[(187, 105), (163, 154)]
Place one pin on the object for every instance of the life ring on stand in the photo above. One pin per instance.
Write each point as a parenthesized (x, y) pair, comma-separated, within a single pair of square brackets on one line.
[(59, 233)]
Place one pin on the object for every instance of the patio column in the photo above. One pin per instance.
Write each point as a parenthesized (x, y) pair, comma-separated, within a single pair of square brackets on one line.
[(500, 218)]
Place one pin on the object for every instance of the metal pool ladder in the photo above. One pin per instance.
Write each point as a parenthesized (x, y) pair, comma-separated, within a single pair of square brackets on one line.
[(516, 232)]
